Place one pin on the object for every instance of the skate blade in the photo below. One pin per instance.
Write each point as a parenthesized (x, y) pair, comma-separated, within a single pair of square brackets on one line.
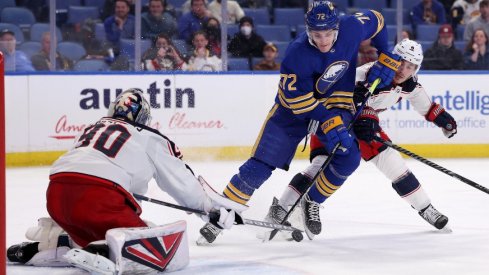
[(201, 241), (446, 230), (281, 235)]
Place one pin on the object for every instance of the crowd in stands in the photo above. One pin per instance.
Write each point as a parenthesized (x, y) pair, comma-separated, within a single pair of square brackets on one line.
[(185, 35)]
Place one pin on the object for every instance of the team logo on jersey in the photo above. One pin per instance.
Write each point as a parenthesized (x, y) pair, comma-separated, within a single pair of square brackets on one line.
[(334, 72), (155, 252)]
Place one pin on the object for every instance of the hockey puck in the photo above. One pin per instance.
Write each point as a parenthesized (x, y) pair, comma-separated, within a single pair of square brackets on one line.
[(297, 235)]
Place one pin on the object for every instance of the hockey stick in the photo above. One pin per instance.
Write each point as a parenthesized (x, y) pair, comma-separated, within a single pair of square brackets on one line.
[(329, 158), (201, 212), (433, 165)]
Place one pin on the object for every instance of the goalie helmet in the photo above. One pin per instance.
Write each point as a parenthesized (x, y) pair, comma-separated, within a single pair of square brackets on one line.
[(322, 15), (411, 51), (132, 105)]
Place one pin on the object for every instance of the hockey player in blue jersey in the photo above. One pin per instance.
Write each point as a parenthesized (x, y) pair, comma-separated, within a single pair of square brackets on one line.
[(317, 79)]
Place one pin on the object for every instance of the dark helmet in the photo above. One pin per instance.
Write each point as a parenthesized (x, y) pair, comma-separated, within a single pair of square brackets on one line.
[(322, 15)]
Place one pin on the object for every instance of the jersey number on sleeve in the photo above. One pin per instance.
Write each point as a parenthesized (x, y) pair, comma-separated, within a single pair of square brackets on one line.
[(361, 17), (116, 143), (288, 80)]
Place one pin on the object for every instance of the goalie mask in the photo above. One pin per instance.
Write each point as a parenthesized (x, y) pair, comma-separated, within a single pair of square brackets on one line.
[(411, 51), (132, 105)]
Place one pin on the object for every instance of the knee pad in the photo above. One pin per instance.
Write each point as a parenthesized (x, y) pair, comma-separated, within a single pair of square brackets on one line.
[(254, 173), (300, 183), (142, 250), (406, 184)]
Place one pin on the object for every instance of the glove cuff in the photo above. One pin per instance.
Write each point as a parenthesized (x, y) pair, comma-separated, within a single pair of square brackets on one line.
[(331, 123), (434, 111), (370, 113), (389, 62)]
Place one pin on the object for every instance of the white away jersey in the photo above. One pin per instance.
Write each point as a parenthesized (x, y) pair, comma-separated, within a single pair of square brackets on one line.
[(130, 155), (384, 98)]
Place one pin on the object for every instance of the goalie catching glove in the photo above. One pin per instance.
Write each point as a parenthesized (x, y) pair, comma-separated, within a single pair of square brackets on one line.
[(442, 119)]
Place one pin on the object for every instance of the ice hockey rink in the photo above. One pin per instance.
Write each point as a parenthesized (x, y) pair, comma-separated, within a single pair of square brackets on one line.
[(367, 228)]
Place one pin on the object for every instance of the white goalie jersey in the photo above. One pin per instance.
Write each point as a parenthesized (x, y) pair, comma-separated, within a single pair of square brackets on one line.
[(410, 90), (130, 155)]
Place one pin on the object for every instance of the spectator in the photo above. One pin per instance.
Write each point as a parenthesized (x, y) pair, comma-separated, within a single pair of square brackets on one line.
[(235, 12), (366, 52), (246, 43), (480, 22), (202, 59), (14, 61), (97, 49), (192, 21), (41, 61), (405, 33), (428, 12), (157, 21), (477, 52), (109, 7), (120, 25), (269, 61), (255, 4), (443, 55), (163, 56), (463, 11), (213, 30)]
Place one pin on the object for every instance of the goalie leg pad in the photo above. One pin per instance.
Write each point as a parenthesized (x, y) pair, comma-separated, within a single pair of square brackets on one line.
[(46, 233), (142, 250)]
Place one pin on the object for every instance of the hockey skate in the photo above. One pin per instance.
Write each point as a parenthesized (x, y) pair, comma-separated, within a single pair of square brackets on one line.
[(23, 252), (93, 263), (434, 217), (276, 214), (208, 234), (310, 216)]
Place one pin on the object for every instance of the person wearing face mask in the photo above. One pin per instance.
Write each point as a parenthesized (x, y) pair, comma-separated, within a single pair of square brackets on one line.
[(317, 80), (443, 55), (246, 42), (405, 86), (213, 30)]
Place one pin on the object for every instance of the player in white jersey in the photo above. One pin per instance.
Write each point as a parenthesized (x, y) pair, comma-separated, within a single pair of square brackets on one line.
[(90, 193), (404, 86)]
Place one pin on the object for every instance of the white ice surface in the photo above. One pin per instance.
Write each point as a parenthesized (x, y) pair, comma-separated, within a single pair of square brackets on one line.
[(367, 228)]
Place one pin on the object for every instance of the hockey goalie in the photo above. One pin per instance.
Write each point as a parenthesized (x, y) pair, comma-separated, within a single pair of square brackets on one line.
[(95, 220)]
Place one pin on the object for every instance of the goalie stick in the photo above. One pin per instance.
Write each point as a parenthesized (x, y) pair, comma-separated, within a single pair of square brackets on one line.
[(329, 158), (433, 165), (239, 221)]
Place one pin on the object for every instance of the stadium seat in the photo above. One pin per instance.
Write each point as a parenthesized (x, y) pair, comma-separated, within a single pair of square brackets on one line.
[(100, 31), (427, 32), (18, 16), (390, 16), (460, 44), (459, 32), (232, 29), (127, 47), (30, 48), (72, 50), (281, 47), (300, 28), (425, 44), (260, 16), (90, 65), (19, 35), (406, 4), (392, 31), (377, 5), (181, 46), (342, 5), (288, 16), (7, 3), (62, 5), (94, 3), (80, 14), (274, 32), (238, 64), (174, 3), (39, 28)]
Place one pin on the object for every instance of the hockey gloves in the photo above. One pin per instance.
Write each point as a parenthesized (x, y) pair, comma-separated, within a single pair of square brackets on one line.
[(442, 119), (224, 218), (336, 132), (367, 125), (384, 68)]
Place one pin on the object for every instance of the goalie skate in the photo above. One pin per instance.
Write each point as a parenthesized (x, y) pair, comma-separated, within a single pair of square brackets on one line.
[(435, 218)]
